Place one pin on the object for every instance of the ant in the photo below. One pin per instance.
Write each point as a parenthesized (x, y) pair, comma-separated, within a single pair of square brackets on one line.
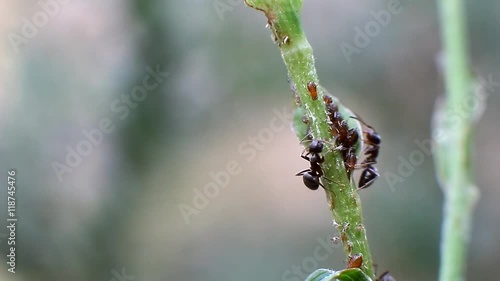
[(350, 160), (312, 175), (372, 139), (339, 125), (346, 138)]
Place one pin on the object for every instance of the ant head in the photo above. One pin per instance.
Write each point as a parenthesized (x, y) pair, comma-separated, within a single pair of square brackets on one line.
[(332, 107), (316, 146), (352, 136), (327, 99), (351, 157), (373, 137)]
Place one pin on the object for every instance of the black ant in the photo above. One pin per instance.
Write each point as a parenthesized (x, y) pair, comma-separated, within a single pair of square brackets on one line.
[(368, 177), (370, 173), (312, 175)]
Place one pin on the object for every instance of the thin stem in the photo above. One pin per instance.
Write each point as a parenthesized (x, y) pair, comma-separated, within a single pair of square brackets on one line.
[(453, 141), (284, 20)]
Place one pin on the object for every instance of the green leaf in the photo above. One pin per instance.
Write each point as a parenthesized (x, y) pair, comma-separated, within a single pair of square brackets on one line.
[(321, 275), (351, 274)]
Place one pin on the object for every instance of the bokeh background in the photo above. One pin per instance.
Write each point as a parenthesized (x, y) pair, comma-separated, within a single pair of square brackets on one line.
[(117, 214)]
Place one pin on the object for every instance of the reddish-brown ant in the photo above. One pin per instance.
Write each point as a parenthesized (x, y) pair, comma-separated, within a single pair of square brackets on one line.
[(313, 90), (346, 138), (350, 161), (338, 124)]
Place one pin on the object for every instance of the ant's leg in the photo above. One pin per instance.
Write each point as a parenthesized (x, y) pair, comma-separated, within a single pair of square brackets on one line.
[(305, 156), (330, 180), (333, 146), (304, 139), (360, 120), (326, 188), (364, 165), (301, 173)]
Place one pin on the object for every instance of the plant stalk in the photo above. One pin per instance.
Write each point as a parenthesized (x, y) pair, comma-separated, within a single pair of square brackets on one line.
[(284, 21), (453, 143)]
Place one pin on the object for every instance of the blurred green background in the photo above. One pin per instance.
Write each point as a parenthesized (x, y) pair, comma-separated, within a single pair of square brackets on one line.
[(121, 212)]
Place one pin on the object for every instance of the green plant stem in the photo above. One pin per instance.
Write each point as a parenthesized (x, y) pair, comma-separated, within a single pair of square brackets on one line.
[(284, 20), (453, 151)]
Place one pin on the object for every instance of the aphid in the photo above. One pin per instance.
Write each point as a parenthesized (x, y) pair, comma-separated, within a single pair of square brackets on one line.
[(313, 91), (355, 261)]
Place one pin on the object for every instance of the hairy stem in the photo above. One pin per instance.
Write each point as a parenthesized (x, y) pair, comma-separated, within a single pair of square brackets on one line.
[(452, 132), (284, 20)]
